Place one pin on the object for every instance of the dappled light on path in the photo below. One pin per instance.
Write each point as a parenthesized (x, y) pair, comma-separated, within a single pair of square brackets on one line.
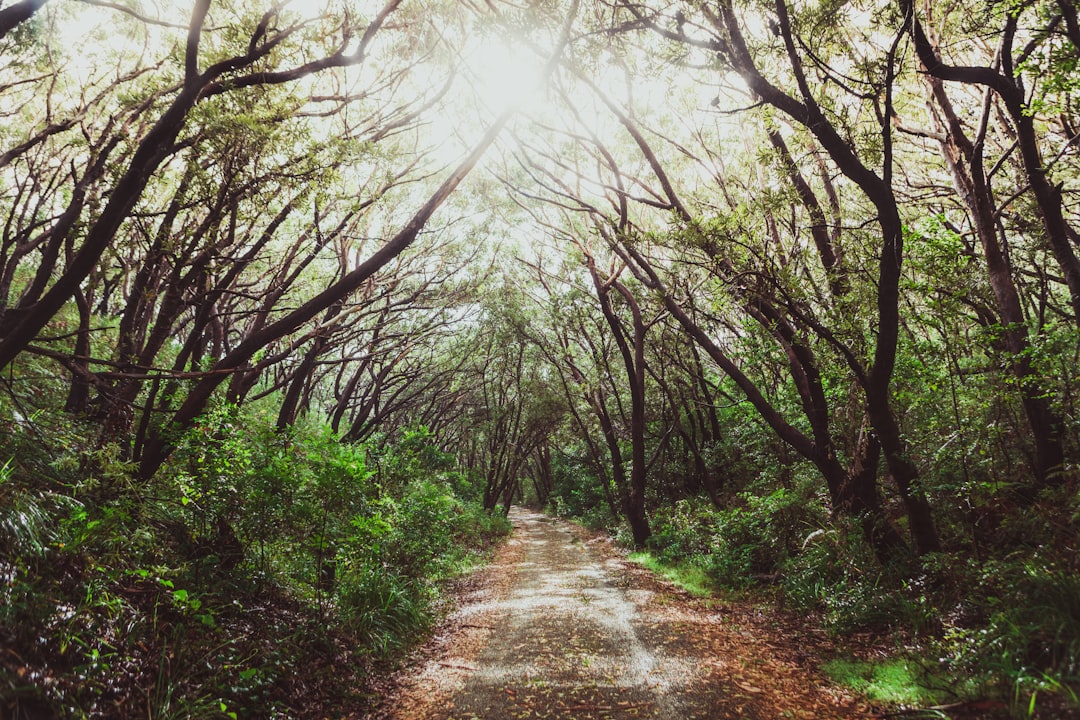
[(577, 632), (569, 646)]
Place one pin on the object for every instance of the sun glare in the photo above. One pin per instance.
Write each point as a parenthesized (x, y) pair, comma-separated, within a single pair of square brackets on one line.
[(494, 70), (504, 76), (493, 73)]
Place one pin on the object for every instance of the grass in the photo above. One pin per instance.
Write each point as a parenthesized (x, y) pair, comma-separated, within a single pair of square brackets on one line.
[(691, 579), (896, 681)]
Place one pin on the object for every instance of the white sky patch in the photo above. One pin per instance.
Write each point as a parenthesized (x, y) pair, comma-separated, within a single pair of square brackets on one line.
[(493, 72), (505, 76)]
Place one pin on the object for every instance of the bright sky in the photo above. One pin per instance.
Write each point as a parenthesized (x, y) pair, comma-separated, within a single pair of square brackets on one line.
[(494, 71)]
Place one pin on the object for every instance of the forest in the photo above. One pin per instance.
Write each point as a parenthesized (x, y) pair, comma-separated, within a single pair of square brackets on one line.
[(298, 298)]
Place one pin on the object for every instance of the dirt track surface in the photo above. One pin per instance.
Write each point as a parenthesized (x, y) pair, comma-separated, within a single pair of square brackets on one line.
[(562, 626)]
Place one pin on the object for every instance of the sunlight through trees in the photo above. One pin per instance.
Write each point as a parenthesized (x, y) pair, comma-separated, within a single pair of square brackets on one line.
[(785, 291)]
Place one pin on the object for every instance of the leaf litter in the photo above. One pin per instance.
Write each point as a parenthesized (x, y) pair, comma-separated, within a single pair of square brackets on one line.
[(562, 625)]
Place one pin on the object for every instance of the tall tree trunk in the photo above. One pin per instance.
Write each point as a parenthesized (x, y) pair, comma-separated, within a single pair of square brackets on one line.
[(1007, 83), (965, 160), (79, 394), (634, 365)]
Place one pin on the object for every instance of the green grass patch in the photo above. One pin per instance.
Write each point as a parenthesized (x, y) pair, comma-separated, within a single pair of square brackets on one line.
[(898, 681), (692, 579)]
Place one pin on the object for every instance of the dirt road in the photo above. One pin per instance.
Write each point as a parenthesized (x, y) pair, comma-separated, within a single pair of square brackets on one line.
[(564, 627)]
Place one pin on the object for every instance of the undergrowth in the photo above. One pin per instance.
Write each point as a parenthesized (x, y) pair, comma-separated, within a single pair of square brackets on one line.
[(957, 625), (260, 574), (691, 579)]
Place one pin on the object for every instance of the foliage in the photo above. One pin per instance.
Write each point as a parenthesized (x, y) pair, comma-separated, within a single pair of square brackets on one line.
[(579, 494), (690, 578), (395, 554), (834, 573), (896, 681), (1012, 623), (253, 554), (736, 546)]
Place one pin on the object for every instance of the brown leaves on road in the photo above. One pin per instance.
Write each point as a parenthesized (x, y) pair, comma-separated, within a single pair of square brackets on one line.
[(561, 625)]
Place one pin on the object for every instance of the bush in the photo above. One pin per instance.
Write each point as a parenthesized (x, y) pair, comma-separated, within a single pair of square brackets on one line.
[(578, 493), (682, 532), (383, 607), (1000, 627), (398, 551), (1014, 626), (735, 546), (252, 554), (836, 573)]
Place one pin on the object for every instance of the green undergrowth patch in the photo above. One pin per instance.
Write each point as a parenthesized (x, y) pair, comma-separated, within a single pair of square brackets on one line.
[(261, 573), (692, 579), (896, 681)]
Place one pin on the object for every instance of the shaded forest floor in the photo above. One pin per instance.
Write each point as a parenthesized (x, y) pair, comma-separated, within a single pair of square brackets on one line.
[(562, 625)]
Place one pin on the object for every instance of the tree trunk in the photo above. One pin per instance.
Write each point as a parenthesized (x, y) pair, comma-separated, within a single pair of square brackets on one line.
[(965, 160), (1007, 85)]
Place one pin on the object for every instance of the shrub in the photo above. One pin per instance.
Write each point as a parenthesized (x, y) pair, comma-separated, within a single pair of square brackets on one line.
[(836, 573), (578, 493), (383, 607), (253, 553), (1020, 630), (682, 532), (736, 546)]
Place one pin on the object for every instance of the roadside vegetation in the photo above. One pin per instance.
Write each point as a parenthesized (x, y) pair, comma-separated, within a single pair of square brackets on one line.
[(261, 573), (296, 298)]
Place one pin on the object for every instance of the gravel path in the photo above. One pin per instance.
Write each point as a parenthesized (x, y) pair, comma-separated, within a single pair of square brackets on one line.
[(562, 627), (568, 645)]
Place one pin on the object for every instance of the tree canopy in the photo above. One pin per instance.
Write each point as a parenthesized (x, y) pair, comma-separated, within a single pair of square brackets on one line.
[(787, 290)]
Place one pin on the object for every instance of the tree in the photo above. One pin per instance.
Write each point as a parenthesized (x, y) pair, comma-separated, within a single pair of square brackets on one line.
[(1008, 82), (965, 159), (247, 69)]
